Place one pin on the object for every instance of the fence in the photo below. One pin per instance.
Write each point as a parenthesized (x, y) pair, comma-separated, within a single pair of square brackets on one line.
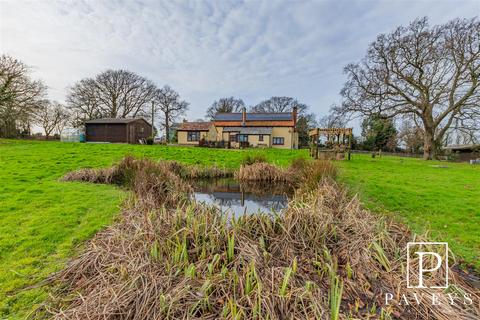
[(395, 154)]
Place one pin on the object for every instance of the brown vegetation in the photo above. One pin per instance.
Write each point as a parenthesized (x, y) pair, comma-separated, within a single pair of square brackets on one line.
[(301, 171), (324, 257)]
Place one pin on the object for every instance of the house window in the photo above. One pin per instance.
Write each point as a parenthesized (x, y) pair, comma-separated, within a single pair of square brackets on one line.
[(278, 140), (243, 138), (260, 137), (233, 138), (193, 136)]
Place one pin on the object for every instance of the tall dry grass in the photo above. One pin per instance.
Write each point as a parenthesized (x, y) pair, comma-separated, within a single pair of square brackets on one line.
[(301, 172), (325, 257)]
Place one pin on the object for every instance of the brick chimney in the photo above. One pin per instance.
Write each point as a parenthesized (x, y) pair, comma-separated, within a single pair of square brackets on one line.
[(244, 116), (294, 115)]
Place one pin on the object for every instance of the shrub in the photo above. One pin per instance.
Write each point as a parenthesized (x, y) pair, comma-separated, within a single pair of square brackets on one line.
[(262, 171), (149, 140), (251, 158)]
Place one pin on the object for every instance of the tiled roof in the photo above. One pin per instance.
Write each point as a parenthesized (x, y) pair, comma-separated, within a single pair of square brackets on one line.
[(114, 120), (237, 116), (195, 126), (249, 130)]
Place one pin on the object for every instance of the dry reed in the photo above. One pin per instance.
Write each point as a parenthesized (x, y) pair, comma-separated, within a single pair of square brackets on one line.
[(325, 257)]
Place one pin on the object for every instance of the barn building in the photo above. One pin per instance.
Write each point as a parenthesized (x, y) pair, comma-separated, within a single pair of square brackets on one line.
[(117, 130)]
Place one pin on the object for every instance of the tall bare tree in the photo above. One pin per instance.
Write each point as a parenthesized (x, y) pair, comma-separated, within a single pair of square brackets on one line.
[(332, 120), (112, 94), (50, 115), (280, 104), (169, 103), (229, 104), (19, 95), (83, 102), (428, 72)]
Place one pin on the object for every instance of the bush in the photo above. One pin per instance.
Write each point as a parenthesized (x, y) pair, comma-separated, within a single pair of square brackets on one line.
[(252, 158), (149, 141)]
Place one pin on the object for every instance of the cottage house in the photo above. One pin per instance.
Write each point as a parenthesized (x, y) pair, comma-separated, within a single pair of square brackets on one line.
[(190, 133), (241, 129)]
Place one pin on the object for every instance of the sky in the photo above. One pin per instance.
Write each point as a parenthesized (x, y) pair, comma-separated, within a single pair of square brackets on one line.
[(206, 50)]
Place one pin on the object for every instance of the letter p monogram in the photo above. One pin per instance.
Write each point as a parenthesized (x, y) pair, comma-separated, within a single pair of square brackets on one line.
[(427, 259)]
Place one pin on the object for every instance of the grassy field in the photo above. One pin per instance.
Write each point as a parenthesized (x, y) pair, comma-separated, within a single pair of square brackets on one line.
[(42, 220), (441, 197)]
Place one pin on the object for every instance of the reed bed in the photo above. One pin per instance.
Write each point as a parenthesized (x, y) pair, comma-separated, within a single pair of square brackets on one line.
[(124, 172), (325, 257), (300, 172)]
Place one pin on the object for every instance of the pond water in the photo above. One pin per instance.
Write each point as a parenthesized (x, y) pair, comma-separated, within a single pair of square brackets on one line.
[(242, 198)]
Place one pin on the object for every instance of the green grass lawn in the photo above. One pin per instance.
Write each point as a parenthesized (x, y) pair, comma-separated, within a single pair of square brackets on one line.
[(441, 197), (43, 220)]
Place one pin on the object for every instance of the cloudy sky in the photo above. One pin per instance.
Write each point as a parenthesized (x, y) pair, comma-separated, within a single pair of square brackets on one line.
[(209, 49)]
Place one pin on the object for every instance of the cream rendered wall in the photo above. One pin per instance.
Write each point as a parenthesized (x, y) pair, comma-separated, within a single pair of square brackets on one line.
[(255, 142), (289, 137), (212, 134)]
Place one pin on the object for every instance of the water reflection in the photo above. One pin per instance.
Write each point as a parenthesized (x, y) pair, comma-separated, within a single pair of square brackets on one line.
[(241, 198)]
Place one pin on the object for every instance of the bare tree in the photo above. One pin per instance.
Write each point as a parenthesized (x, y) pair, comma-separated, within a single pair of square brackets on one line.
[(168, 102), (280, 104), (332, 120), (83, 102), (19, 95), (50, 116), (230, 104), (410, 135), (112, 94), (430, 72)]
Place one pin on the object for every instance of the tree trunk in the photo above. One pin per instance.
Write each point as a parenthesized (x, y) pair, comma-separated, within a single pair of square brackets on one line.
[(167, 131), (167, 127), (429, 147)]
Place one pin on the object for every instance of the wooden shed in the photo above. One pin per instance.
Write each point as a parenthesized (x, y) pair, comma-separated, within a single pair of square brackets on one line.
[(117, 130)]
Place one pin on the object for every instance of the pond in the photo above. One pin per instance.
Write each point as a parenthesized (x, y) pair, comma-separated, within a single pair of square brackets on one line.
[(240, 198)]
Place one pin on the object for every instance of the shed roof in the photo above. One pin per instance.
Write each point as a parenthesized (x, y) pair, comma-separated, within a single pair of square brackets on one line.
[(115, 120), (249, 130), (195, 126), (237, 116), (462, 146)]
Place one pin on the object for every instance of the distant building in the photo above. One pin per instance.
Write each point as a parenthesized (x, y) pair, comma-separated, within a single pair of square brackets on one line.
[(464, 152), (190, 133), (270, 130), (117, 130)]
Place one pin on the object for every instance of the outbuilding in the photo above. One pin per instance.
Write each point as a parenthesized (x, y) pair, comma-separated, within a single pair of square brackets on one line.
[(120, 130), (464, 152)]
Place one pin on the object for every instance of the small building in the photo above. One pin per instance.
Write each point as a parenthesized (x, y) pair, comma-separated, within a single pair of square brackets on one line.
[(190, 133), (119, 130), (244, 129), (464, 152)]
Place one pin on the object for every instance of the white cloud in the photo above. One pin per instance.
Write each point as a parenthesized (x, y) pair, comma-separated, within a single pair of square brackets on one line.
[(205, 50)]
